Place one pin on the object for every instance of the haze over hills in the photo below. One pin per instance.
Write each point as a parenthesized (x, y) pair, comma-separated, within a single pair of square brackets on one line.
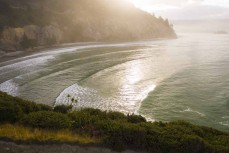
[(31, 23), (200, 26)]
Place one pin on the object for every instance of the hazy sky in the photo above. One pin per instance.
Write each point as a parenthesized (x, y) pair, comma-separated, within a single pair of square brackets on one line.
[(186, 9)]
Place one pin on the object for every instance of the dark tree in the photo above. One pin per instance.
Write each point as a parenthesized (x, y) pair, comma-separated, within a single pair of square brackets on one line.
[(28, 43)]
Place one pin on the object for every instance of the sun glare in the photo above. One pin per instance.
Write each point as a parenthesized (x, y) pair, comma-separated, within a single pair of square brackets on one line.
[(150, 8), (137, 3)]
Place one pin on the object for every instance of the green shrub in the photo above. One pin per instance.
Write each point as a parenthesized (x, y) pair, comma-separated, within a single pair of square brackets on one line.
[(9, 112), (135, 118), (29, 107), (191, 143), (44, 107), (62, 108), (94, 112), (24, 105), (116, 116), (121, 135), (82, 119), (117, 130), (47, 119)]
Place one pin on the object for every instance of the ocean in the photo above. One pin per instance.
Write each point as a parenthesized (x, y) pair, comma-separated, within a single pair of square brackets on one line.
[(164, 80)]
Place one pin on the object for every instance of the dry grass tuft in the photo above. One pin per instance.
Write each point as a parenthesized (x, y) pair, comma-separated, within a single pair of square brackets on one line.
[(20, 133)]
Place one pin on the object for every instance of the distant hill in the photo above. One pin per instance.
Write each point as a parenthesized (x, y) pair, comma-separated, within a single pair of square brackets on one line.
[(201, 26), (30, 23), (221, 32)]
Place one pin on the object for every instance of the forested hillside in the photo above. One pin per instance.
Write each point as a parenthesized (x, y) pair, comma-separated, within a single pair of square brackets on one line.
[(29, 23)]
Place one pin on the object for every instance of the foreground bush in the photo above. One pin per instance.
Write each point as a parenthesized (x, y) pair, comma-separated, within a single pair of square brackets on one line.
[(135, 118), (62, 109), (116, 130), (121, 132), (24, 105), (47, 119), (9, 112)]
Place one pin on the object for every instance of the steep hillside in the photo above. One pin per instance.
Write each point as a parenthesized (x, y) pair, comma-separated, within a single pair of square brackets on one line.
[(29, 23)]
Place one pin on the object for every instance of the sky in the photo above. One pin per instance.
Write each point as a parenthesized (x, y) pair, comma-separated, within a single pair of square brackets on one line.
[(186, 9)]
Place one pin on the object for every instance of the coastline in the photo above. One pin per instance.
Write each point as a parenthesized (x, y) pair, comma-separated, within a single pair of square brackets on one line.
[(6, 55), (11, 55)]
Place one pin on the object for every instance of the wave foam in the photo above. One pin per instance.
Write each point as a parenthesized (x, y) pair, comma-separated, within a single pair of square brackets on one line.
[(88, 97), (193, 111), (225, 123), (24, 64), (9, 87)]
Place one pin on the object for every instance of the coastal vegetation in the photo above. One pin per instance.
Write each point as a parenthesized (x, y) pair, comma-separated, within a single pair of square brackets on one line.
[(25, 121), (19, 133)]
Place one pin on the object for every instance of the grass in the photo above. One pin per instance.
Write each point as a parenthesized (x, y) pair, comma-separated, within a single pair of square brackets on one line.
[(20, 133)]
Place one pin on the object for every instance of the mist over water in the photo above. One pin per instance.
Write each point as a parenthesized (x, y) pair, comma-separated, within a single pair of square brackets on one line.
[(201, 26), (166, 80)]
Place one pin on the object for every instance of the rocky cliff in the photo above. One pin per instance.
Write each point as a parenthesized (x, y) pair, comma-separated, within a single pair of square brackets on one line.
[(30, 23)]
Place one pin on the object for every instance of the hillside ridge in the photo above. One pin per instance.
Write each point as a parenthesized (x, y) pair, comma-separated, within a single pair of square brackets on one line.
[(29, 23)]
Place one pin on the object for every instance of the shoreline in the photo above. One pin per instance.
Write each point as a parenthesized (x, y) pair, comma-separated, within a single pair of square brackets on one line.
[(11, 55)]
